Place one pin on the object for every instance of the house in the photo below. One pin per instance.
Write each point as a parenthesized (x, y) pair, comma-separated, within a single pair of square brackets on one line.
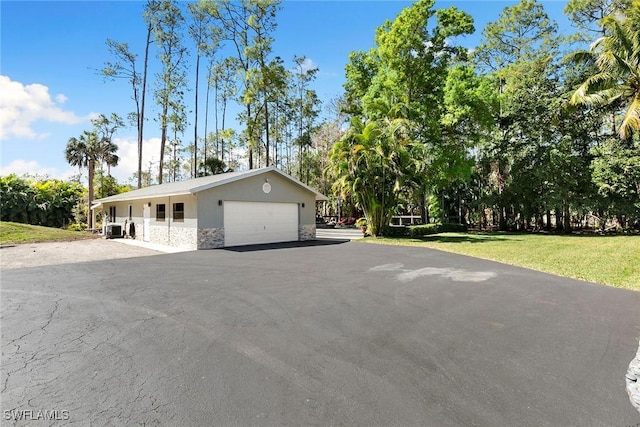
[(231, 209)]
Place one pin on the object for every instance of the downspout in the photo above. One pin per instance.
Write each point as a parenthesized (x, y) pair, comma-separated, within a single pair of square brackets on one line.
[(169, 222)]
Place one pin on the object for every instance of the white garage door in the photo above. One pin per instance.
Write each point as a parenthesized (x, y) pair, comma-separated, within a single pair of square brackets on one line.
[(247, 223)]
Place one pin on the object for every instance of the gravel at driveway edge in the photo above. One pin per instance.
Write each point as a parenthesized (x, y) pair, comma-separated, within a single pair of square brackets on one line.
[(52, 253)]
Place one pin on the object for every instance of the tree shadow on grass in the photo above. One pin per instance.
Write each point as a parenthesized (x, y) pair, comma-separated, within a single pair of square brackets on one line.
[(469, 238), (485, 237)]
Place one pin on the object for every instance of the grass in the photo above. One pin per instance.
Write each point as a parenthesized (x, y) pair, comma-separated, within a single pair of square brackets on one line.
[(15, 233), (609, 260)]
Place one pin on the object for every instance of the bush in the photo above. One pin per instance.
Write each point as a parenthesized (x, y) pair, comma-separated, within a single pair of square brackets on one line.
[(427, 229), (30, 201), (423, 230), (453, 228), (396, 232), (77, 227)]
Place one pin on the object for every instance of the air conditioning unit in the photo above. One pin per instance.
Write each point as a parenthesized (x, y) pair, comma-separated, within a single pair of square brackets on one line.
[(114, 231)]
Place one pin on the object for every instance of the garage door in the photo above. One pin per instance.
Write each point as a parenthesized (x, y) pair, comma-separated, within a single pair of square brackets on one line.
[(247, 223)]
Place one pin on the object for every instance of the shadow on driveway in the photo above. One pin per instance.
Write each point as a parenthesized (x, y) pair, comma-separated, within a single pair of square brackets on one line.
[(287, 245)]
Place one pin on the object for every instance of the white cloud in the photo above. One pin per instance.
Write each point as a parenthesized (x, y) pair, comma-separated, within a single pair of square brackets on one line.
[(92, 116), (31, 167), (128, 152), (127, 166), (307, 65), (22, 105)]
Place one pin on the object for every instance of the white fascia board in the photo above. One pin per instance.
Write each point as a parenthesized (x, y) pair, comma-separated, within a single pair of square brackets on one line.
[(247, 174), (145, 197)]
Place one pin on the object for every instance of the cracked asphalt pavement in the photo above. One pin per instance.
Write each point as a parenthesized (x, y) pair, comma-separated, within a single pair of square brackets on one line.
[(323, 333)]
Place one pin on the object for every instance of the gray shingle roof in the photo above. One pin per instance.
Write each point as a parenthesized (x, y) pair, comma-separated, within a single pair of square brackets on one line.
[(192, 186)]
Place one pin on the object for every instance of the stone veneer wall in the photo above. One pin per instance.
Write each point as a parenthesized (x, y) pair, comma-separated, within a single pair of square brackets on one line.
[(179, 237), (183, 237), (157, 234), (306, 232), (210, 238)]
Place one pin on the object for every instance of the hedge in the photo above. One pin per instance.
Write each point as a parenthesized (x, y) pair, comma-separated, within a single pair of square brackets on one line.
[(424, 230)]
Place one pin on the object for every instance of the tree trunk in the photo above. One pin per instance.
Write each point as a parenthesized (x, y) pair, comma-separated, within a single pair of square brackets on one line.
[(163, 142), (266, 126), (224, 114), (502, 218), (249, 136), (548, 226), (194, 172), (567, 218), (219, 151), (92, 168), (141, 116), (206, 115), (559, 219)]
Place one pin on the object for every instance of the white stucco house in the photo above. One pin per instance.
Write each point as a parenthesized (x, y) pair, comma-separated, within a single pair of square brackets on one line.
[(231, 209)]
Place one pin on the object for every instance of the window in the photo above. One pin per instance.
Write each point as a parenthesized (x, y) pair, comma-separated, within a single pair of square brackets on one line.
[(178, 211), (130, 212), (112, 214), (160, 209)]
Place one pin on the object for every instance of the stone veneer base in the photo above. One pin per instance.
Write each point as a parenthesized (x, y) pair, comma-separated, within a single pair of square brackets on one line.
[(306, 232), (210, 238)]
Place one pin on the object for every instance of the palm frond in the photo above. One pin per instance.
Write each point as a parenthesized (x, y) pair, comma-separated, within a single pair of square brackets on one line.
[(631, 120)]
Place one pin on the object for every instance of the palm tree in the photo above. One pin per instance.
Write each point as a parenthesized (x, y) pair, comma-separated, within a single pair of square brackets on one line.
[(109, 157), (81, 152), (617, 59), (85, 152), (371, 161), (106, 154)]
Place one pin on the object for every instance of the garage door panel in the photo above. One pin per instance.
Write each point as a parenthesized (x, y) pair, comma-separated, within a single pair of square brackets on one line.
[(248, 223)]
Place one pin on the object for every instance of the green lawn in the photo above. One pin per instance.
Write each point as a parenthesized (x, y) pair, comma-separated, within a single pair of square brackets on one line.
[(15, 233), (610, 260)]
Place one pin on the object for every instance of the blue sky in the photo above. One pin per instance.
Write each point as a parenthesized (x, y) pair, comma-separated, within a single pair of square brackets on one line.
[(50, 51)]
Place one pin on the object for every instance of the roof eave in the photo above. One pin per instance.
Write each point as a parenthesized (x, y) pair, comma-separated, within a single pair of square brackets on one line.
[(254, 172), (124, 197), (111, 199), (248, 174)]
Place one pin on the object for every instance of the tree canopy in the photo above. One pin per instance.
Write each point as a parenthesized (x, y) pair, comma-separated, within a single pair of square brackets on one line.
[(529, 129)]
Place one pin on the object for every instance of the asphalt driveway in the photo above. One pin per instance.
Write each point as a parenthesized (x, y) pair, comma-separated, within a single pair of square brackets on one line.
[(314, 334)]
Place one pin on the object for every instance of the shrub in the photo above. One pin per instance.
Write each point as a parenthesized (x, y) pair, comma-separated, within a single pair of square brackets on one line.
[(77, 227), (452, 228), (423, 230), (426, 229), (396, 232), (31, 201)]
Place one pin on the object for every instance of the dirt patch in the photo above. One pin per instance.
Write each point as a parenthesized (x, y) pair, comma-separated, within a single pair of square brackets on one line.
[(67, 252)]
